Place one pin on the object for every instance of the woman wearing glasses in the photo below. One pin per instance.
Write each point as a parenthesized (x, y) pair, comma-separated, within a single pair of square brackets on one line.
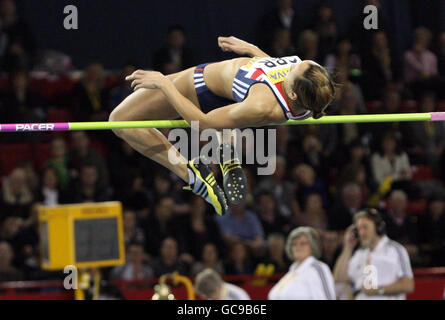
[(307, 278)]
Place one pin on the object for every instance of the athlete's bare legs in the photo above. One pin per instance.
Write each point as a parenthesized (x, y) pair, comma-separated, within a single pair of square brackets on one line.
[(151, 104)]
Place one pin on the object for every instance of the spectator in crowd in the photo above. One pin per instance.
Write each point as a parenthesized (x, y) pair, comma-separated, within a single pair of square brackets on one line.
[(123, 88), (20, 42), (7, 271), (209, 285), (426, 140), (87, 187), (283, 190), (326, 134), (331, 245), (343, 58), (287, 145), (241, 225), (361, 37), (401, 226), (209, 259), (357, 155), (391, 101), (345, 79), (281, 45), (282, 16), (348, 204), (27, 250), (132, 232), (308, 278), (50, 193), (308, 43), (307, 183), (239, 260), (391, 260), (197, 228), (135, 267), (169, 260), (315, 155), (390, 161), (271, 220), (441, 55), (90, 96), (174, 56), (31, 176), (125, 165), (82, 153), (324, 25), (160, 225), (137, 197), (162, 186), (16, 196), (420, 63), (282, 139), (431, 226), (355, 173), (350, 103), (58, 160), (313, 214), (20, 103), (391, 104), (381, 66), (9, 229), (275, 257)]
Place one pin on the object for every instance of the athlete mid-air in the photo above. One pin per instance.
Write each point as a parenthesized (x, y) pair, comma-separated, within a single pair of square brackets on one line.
[(236, 93)]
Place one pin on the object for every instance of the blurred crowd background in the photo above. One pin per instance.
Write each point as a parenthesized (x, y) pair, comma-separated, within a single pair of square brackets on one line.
[(324, 173)]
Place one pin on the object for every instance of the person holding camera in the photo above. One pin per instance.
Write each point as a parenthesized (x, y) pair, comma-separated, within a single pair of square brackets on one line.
[(380, 268)]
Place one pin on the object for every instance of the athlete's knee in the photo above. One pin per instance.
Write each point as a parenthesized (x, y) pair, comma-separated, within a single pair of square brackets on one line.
[(116, 116)]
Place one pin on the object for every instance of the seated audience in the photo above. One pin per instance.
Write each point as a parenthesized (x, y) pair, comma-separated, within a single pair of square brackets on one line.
[(238, 260), (241, 225), (7, 271), (169, 260), (15, 195), (135, 267), (209, 259)]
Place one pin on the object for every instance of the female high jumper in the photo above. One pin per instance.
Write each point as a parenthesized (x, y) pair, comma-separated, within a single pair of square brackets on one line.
[(236, 93)]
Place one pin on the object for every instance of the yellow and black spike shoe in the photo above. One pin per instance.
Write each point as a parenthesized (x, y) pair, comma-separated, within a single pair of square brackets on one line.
[(234, 178), (204, 184)]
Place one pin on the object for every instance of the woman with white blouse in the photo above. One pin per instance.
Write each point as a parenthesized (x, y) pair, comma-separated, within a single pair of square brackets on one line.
[(307, 278), (390, 161)]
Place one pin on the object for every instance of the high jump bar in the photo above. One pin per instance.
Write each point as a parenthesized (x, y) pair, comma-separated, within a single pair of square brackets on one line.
[(108, 125)]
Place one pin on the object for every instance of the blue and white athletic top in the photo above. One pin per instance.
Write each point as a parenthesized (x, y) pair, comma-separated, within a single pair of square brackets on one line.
[(272, 72)]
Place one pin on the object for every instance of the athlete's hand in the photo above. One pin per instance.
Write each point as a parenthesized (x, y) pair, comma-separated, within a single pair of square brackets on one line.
[(234, 44), (146, 79)]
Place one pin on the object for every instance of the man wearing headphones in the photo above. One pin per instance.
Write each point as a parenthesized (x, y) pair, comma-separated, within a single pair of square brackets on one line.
[(380, 268)]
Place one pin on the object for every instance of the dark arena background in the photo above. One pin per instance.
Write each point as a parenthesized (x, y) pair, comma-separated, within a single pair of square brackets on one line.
[(124, 223)]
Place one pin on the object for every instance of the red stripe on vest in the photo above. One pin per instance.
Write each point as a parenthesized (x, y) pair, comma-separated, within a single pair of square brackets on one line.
[(280, 88)]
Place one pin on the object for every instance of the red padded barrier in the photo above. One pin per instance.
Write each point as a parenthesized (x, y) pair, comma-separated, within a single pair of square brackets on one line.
[(429, 285)]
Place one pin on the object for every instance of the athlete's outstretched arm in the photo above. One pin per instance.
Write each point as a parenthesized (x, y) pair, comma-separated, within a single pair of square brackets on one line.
[(240, 47), (238, 115)]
